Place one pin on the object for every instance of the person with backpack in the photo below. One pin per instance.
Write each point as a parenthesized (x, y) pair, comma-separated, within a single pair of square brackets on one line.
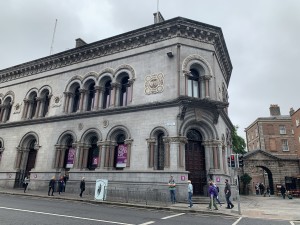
[(218, 190), (213, 193)]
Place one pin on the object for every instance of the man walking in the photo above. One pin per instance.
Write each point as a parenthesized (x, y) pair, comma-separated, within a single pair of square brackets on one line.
[(227, 191), (82, 186)]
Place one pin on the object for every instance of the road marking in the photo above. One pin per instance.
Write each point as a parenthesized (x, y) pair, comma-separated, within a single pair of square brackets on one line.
[(236, 222), (59, 215), (168, 217), (292, 223), (150, 222)]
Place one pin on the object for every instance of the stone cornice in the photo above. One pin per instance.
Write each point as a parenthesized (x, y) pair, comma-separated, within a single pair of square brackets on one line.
[(182, 100), (176, 27)]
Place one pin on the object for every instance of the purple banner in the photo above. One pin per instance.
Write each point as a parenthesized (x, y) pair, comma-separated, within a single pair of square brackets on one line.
[(122, 156), (71, 158)]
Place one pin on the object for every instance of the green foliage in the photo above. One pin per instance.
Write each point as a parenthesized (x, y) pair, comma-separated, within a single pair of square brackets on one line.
[(246, 179), (238, 143)]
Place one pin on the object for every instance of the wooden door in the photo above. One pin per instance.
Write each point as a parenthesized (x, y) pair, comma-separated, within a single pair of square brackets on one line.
[(195, 164)]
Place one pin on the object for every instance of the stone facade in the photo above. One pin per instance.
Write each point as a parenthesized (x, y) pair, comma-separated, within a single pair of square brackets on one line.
[(126, 109)]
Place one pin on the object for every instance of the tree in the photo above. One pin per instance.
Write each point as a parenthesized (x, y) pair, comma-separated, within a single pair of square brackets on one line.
[(238, 143), (246, 179)]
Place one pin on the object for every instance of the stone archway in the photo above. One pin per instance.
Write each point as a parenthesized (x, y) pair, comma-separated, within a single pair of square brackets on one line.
[(270, 169), (26, 157)]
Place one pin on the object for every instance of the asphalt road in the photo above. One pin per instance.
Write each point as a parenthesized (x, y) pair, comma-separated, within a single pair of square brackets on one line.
[(27, 210)]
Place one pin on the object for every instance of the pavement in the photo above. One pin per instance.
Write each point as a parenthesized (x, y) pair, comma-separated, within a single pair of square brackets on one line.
[(253, 206)]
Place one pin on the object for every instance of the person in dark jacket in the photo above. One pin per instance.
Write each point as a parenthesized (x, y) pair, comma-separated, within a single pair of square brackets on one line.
[(227, 191), (82, 187), (25, 183), (283, 191), (51, 186), (61, 184)]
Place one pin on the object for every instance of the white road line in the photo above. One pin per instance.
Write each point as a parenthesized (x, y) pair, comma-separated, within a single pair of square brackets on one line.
[(150, 222), (168, 217), (73, 217), (236, 222), (292, 223)]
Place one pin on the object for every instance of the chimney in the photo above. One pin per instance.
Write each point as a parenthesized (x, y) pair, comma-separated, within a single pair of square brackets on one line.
[(80, 42), (292, 111), (274, 110)]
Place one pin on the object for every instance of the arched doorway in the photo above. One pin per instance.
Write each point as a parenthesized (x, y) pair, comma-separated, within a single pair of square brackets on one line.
[(26, 158), (195, 161), (266, 178)]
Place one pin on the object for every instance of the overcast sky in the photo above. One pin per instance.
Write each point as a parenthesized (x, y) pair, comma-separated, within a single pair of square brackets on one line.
[(262, 37)]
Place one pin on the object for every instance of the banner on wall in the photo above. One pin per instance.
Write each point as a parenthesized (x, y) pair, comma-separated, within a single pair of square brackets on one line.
[(71, 158), (122, 156)]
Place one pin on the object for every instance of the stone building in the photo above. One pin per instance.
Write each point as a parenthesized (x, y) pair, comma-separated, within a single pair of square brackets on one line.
[(133, 109), (272, 156)]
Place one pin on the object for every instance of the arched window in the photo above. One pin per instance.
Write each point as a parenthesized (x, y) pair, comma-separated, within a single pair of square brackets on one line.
[(76, 99), (93, 155), (124, 92), (7, 109), (107, 95), (32, 105), (69, 149), (120, 159), (194, 84), (160, 152), (91, 97), (45, 103), (31, 156)]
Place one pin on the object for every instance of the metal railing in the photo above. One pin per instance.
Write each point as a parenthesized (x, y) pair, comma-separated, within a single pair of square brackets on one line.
[(146, 196)]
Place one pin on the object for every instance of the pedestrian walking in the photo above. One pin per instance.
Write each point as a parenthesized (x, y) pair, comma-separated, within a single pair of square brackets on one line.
[(283, 191), (66, 178), (212, 191), (25, 183), (218, 190), (268, 191), (257, 189), (172, 189), (82, 186), (227, 191), (190, 193), (51, 186), (61, 184)]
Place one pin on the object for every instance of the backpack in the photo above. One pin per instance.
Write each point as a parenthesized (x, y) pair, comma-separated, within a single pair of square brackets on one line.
[(215, 191)]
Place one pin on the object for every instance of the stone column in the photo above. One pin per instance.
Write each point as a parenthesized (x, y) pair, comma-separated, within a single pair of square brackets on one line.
[(66, 102), (111, 155), (18, 158), (85, 156), (128, 142), (82, 99), (79, 155), (57, 156), (38, 106), (101, 94), (97, 95), (176, 152), (151, 143), (117, 93), (206, 79), (167, 152), (130, 91), (62, 156), (113, 95), (208, 156), (100, 163), (1, 112), (25, 109)]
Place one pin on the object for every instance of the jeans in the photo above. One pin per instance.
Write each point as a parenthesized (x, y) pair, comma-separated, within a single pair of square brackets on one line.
[(190, 199), (173, 197), (229, 203)]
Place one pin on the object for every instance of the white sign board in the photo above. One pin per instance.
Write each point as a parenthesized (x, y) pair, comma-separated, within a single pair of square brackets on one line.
[(101, 189)]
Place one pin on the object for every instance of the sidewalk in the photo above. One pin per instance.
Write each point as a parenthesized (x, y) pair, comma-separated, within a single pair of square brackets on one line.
[(251, 206)]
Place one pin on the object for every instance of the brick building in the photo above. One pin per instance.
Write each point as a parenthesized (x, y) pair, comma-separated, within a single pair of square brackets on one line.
[(273, 155), (132, 109)]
